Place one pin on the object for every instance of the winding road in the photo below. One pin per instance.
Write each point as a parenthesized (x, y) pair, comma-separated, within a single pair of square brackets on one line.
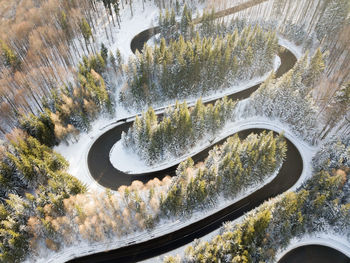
[(106, 175), (100, 167)]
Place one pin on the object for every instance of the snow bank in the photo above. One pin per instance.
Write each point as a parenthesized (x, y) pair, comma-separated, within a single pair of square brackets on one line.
[(296, 50), (336, 242)]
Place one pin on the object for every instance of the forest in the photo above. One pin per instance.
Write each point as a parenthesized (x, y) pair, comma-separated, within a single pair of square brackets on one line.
[(197, 67), (60, 215), (321, 204), (229, 170), (179, 130), (301, 113), (63, 66)]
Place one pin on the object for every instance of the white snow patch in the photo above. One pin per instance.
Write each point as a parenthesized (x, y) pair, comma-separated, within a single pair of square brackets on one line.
[(131, 25)]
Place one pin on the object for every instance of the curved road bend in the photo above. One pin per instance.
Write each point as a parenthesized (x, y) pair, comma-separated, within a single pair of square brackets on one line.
[(287, 177), (314, 254), (103, 171), (105, 174), (99, 164)]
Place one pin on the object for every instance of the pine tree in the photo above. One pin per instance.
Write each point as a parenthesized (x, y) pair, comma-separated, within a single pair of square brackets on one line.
[(117, 10), (113, 61), (85, 31), (104, 52), (315, 68), (42, 128), (11, 59)]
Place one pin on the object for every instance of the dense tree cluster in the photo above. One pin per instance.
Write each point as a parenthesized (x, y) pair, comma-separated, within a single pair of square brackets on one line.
[(332, 19), (71, 108), (74, 106), (337, 112), (328, 29), (197, 67), (32, 177), (37, 51), (334, 154), (170, 29), (179, 129), (320, 205), (96, 217), (228, 170), (289, 98)]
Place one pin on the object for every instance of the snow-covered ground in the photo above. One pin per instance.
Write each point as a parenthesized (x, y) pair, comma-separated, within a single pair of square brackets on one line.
[(76, 154), (130, 26)]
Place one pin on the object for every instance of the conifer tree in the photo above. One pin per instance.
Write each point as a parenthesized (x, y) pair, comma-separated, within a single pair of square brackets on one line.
[(315, 68), (10, 57), (86, 32)]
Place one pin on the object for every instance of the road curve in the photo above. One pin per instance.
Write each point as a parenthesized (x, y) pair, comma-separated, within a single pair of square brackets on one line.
[(105, 174), (287, 177), (100, 167), (314, 254)]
